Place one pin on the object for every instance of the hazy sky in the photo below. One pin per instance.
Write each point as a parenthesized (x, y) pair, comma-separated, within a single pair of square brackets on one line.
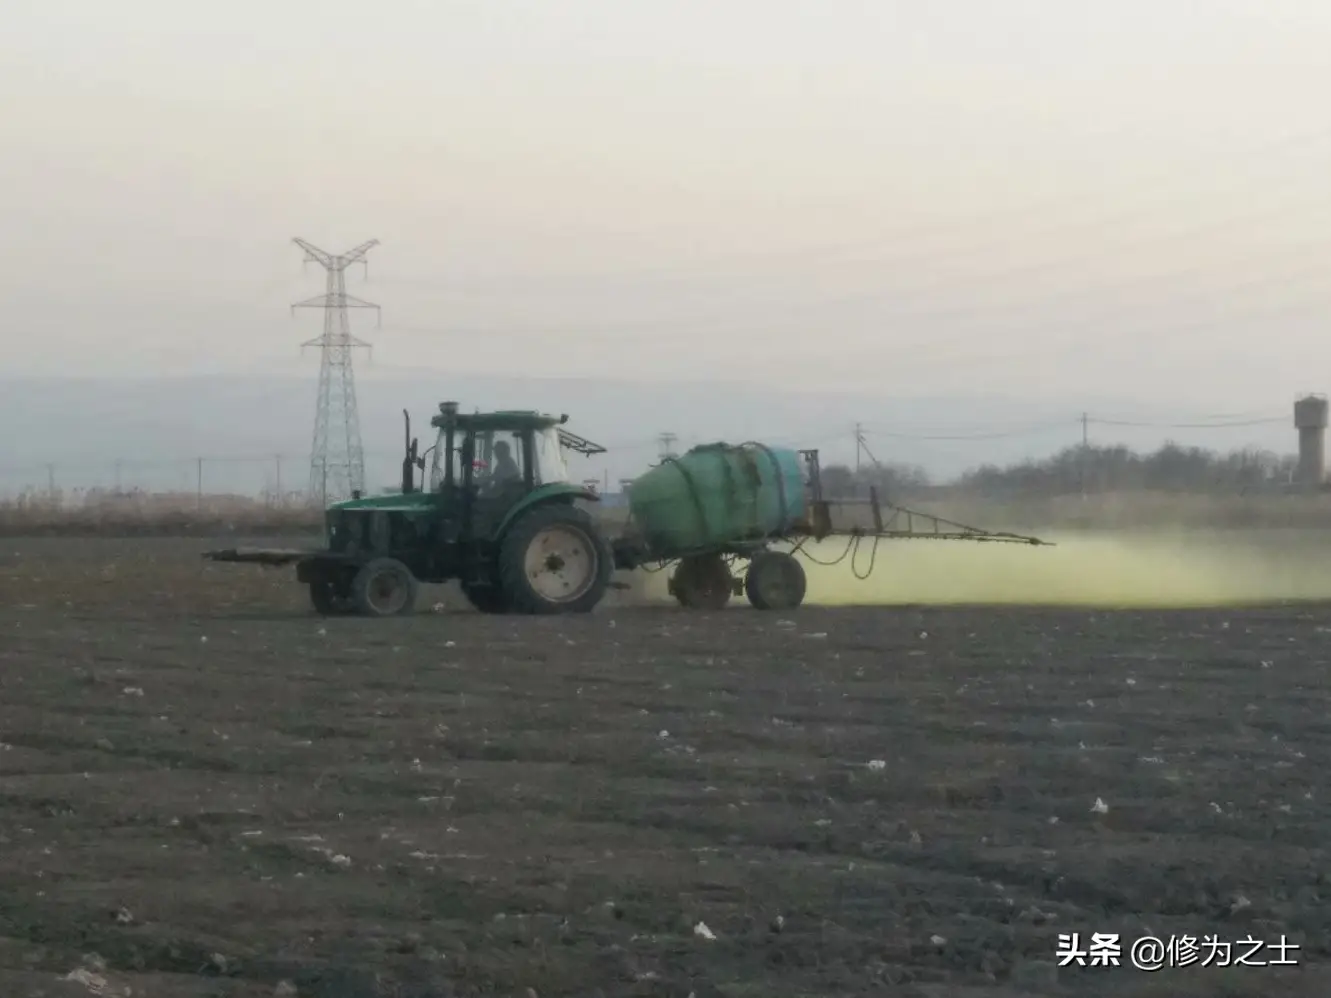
[(912, 195)]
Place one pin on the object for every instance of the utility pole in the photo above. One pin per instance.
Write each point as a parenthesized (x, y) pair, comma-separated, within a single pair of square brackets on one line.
[(862, 447), (278, 459), (1085, 452), (667, 445), (198, 483), (337, 459)]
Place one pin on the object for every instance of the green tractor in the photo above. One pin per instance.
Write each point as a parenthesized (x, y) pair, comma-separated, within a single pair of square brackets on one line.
[(497, 513)]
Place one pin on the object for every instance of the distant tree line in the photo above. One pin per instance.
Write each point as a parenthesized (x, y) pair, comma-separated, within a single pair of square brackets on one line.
[(841, 481), (1172, 468)]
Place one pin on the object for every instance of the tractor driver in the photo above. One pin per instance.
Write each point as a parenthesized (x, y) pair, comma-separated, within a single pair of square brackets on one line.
[(505, 469)]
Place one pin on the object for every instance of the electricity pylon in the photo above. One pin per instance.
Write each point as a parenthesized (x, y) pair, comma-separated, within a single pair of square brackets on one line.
[(337, 460)]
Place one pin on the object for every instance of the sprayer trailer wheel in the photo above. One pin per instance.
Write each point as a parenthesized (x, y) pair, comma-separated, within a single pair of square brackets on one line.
[(775, 581), (554, 560), (384, 587), (702, 582)]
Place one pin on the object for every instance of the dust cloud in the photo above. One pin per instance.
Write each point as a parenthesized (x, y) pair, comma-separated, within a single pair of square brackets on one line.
[(1190, 569)]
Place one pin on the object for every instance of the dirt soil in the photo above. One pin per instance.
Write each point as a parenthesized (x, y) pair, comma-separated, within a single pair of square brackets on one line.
[(205, 790)]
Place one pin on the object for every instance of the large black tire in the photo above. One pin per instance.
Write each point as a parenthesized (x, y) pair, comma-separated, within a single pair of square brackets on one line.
[(554, 560), (775, 581), (702, 582), (384, 587), (485, 599), (331, 598)]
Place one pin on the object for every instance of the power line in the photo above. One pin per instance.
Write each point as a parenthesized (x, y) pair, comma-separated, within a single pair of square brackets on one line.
[(1107, 249), (1066, 312), (1191, 426), (1261, 154), (337, 459), (1085, 420), (985, 435)]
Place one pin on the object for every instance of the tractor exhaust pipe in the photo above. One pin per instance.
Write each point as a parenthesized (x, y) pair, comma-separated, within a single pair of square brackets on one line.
[(409, 461)]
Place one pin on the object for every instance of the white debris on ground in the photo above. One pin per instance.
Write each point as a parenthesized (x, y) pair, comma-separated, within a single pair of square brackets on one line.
[(92, 975), (337, 859), (97, 984)]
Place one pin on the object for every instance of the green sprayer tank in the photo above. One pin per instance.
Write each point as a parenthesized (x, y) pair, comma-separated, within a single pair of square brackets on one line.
[(717, 495)]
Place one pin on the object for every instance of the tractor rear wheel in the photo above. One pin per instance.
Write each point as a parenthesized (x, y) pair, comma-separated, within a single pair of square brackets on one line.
[(702, 582), (775, 581), (485, 599), (554, 560), (331, 597), (384, 587)]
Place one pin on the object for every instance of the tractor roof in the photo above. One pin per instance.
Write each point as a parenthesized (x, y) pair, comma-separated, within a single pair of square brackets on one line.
[(503, 419)]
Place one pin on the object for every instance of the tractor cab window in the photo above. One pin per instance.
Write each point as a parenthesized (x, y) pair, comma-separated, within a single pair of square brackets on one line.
[(500, 459), (548, 457), (440, 457)]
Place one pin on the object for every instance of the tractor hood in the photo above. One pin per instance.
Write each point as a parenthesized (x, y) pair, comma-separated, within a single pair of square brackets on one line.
[(397, 502)]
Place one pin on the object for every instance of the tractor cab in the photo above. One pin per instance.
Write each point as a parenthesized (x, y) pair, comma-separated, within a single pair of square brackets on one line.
[(486, 464), (488, 451)]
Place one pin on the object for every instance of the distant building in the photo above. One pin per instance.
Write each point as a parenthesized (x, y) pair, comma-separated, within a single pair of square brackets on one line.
[(1310, 414)]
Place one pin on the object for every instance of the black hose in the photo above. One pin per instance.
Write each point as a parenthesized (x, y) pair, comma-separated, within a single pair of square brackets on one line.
[(852, 550)]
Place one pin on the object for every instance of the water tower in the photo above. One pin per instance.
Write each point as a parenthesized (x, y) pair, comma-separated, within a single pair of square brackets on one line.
[(1310, 421)]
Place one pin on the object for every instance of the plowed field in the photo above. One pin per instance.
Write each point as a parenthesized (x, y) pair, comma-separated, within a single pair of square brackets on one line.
[(206, 790)]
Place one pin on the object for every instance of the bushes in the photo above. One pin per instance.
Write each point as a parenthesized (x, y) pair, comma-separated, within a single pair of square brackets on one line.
[(134, 514)]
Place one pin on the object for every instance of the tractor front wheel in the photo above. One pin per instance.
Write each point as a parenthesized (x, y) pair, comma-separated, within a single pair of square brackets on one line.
[(775, 581), (331, 598), (485, 599), (384, 587), (702, 582), (554, 560)]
